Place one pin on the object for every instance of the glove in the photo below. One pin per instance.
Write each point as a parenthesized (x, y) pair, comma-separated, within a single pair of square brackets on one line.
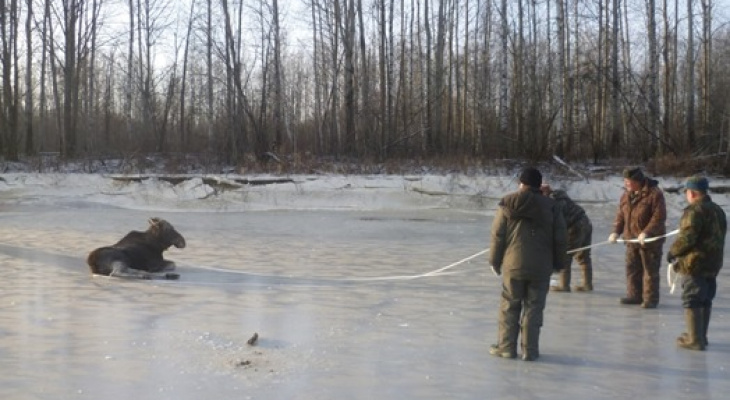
[(671, 258), (613, 238), (642, 238), (497, 271)]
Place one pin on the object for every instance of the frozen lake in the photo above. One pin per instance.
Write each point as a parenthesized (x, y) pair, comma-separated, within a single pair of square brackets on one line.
[(316, 287)]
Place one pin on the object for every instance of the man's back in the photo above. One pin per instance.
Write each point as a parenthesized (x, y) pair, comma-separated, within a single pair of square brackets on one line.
[(528, 236)]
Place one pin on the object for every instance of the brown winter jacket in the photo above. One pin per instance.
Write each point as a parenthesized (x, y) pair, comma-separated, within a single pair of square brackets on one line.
[(642, 211), (529, 238)]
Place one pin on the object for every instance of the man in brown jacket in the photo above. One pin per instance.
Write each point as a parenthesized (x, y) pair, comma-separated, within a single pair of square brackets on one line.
[(642, 214), (528, 243)]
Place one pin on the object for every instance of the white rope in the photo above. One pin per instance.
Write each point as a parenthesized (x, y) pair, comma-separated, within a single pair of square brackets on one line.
[(437, 272), (647, 240)]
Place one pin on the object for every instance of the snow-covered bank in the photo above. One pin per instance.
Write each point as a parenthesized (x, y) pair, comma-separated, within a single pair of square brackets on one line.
[(299, 192)]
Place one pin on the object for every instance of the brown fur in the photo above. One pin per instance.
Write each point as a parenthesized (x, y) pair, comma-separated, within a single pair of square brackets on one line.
[(138, 254)]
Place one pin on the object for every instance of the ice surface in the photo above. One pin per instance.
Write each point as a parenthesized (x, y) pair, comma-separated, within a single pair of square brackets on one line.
[(307, 266)]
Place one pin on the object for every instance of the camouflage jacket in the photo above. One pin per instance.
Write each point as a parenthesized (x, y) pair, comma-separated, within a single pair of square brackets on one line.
[(572, 212), (701, 241), (529, 238), (642, 211)]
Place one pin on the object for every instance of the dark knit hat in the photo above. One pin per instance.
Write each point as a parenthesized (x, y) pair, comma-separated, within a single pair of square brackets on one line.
[(634, 174), (531, 177), (697, 183)]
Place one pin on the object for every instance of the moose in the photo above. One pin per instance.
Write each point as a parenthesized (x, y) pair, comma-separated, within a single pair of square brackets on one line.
[(139, 254)]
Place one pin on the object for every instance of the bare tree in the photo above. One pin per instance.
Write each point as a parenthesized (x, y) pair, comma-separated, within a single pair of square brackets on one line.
[(29, 144), (129, 84), (71, 12), (706, 71), (690, 93), (183, 79), (348, 41), (8, 102)]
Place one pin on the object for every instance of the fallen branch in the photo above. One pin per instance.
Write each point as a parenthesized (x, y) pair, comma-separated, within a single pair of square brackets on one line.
[(563, 163)]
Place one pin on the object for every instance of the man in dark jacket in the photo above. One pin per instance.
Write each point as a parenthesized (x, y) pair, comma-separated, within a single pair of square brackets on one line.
[(528, 242), (697, 255), (642, 214), (580, 232)]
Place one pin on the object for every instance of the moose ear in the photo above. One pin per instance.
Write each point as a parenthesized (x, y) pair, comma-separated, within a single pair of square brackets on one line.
[(154, 221)]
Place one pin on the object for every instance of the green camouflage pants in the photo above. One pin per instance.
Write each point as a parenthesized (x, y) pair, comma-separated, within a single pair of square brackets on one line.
[(580, 235)]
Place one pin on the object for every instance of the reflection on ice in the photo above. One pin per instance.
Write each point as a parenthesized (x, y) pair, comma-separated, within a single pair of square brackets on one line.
[(288, 276)]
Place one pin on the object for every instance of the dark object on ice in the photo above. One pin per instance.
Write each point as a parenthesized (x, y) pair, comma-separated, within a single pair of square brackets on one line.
[(243, 363), (139, 254), (172, 276), (254, 338)]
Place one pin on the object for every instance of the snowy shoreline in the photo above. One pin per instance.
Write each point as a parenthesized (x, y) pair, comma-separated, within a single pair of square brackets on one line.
[(231, 192)]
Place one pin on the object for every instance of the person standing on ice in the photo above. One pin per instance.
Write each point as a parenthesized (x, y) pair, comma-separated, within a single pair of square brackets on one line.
[(697, 255), (528, 242), (580, 232), (642, 214)]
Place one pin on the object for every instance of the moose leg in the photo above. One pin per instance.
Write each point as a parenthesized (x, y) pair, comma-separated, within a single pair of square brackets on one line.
[(168, 266), (121, 270)]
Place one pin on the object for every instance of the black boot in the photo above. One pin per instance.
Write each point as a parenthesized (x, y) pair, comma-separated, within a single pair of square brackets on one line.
[(707, 314), (694, 339)]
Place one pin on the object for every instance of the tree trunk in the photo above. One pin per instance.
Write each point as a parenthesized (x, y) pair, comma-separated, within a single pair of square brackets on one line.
[(690, 76), (70, 75), (29, 144)]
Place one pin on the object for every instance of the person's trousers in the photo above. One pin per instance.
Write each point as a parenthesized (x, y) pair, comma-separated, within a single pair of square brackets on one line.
[(642, 271), (521, 311)]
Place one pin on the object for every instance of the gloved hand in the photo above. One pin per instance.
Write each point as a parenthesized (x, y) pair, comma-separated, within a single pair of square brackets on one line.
[(642, 238), (613, 238), (497, 271), (671, 258)]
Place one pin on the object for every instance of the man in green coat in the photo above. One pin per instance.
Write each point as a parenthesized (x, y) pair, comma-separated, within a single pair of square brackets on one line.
[(528, 242), (697, 255)]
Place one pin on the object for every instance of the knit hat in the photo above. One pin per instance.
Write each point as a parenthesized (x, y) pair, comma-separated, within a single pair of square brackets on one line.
[(634, 174), (697, 183), (531, 177)]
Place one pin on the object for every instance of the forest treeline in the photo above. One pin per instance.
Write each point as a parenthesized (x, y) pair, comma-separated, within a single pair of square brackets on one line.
[(366, 79)]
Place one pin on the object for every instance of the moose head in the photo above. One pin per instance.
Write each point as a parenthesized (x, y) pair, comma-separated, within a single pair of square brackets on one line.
[(165, 233)]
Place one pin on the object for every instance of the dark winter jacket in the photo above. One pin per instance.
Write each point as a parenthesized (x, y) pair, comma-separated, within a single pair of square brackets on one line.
[(528, 236), (572, 212), (642, 211), (701, 241)]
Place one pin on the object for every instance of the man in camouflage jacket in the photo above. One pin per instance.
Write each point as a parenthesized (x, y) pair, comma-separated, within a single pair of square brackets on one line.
[(642, 214), (528, 242), (580, 232), (697, 255)]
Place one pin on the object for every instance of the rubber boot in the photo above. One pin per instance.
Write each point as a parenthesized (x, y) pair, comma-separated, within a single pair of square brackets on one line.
[(587, 285), (707, 313), (563, 281), (694, 339)]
